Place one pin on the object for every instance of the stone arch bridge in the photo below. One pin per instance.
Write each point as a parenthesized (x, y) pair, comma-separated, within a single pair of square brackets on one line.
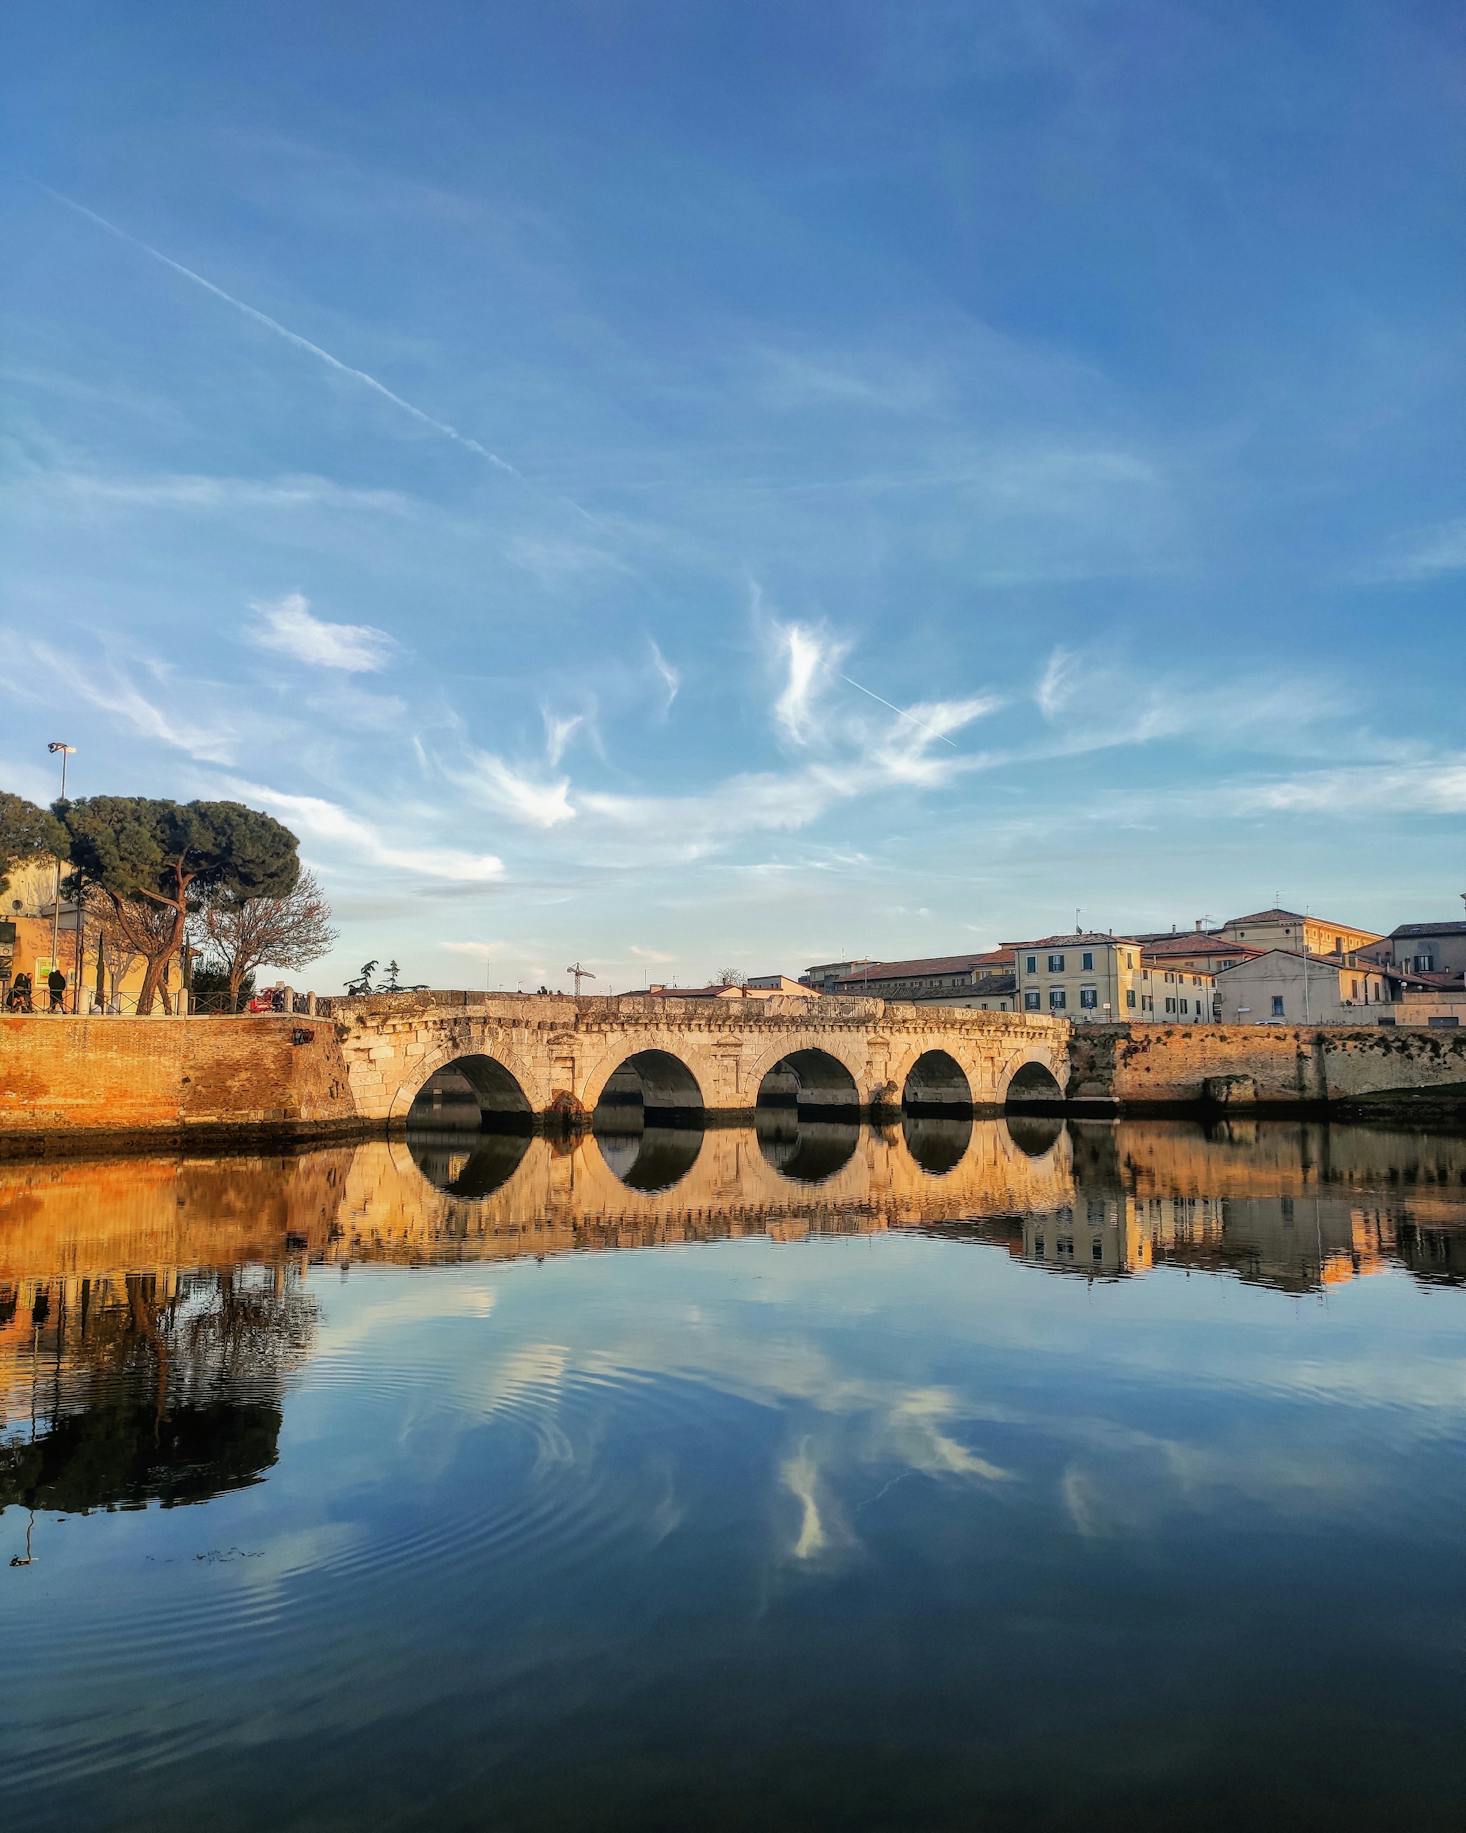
[(554, 1060)]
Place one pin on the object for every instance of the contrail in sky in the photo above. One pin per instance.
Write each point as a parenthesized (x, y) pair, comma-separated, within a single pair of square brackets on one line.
[(291, 337), (900, 713)]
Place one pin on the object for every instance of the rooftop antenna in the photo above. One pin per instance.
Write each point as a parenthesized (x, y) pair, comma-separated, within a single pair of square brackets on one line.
[(580, 973)]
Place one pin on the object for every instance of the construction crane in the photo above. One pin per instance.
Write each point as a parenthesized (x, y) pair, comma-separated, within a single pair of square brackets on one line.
[(580, 973)]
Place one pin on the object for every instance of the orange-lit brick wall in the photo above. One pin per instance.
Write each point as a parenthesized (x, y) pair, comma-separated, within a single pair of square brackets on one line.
[(123, 1075)]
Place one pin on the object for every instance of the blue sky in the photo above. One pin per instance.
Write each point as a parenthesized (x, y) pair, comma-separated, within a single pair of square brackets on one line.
[(689, 486)]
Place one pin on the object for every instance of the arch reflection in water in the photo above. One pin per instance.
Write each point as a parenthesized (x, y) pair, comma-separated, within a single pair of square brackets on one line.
[(466, 1164), (810, 1079), (471, 1094), (804, 1149), (937, 1142), (936, 1085), (1034, 1134), (650, 1158)]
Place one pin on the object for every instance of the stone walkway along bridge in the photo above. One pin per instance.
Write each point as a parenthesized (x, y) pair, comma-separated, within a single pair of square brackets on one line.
[(554, 1061)]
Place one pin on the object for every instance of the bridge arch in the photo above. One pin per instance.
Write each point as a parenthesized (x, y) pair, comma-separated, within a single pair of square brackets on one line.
[(459, 1080), (643, 1084), (1032, 1081), (807, 1078), (937, 1083)]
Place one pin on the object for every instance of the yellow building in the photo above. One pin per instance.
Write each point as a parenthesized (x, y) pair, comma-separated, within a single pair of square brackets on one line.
[(26, 921), (1098, 978), (1288, 929)]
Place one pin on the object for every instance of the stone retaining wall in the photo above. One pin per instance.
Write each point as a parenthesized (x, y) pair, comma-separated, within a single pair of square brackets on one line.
[(1267, 1065), (64, 1079)]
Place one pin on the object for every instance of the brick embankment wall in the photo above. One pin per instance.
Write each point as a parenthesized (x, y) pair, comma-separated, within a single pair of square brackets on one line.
[(72, 1082), (1275, 1066)]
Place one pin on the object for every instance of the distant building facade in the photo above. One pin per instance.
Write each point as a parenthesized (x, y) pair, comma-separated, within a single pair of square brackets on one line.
[(826, 977), (1424, 948), (1285, 987), (1289, 929), (984, 981), (110, 981), (1098, 978)]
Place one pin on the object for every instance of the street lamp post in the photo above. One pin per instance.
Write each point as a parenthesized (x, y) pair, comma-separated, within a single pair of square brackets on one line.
[(59, 746)]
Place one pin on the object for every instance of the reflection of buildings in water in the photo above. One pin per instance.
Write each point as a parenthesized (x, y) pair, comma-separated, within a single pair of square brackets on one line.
[(1299, 1206), (120, 1390)]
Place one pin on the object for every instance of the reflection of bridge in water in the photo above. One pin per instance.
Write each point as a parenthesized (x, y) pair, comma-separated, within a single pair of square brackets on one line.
[(1282, 1203)]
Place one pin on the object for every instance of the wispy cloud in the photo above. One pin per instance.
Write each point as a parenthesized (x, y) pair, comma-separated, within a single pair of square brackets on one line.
[(188, 490), (291, 337), (670, 677), (1429, 554), (477, 951), (809, 657), (288, 626), (559, 732), (1055, 684), (110, 687), (649, 954), (1425, 786), (1081, 695), (328, 822), (496, 784)]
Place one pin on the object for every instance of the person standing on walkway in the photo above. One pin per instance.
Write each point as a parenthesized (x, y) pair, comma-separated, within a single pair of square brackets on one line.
[(56, 987), (20, 993)]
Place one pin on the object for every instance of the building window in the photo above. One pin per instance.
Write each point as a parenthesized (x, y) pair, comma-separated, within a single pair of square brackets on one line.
[(1057, 999), (1032, 964), (1130, 998), (1089, 998), (1086, 962), (1031, 1002), (1354, 989), (1056, 964), (1277, 1005), (1170, 1005), (1338, 945)]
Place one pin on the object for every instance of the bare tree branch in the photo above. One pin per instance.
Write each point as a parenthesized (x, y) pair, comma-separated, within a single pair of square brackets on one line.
[(289, 932)]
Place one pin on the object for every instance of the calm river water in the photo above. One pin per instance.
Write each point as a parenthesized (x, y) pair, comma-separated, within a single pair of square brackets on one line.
[(956, 1475)]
